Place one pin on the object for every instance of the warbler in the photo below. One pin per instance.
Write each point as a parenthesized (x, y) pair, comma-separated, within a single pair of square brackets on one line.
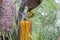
[(31, 4)]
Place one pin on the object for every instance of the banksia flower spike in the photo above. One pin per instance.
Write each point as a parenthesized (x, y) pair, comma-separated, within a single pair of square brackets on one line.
[(6, 15)]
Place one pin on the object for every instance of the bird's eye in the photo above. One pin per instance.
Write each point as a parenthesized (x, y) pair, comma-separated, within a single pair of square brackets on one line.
[(32, 14)]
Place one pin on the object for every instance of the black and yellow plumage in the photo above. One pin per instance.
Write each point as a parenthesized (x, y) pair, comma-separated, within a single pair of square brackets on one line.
[(31, 4)]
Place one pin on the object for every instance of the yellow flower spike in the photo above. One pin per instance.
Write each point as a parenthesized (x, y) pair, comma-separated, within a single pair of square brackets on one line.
[(24, 29)]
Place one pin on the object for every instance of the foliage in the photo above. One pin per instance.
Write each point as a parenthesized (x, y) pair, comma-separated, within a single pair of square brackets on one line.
[(44, 22)]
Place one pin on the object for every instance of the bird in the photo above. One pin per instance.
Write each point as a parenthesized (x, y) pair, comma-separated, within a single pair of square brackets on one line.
[(31, 4)]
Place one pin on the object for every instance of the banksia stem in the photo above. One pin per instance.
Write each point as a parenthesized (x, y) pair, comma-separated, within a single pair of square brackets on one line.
[(0, 2), (25, 29)]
